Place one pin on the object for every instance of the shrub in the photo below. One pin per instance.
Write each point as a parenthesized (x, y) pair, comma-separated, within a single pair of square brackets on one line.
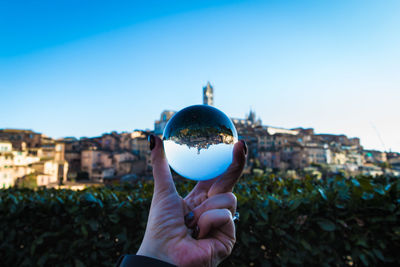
[(335, 221)]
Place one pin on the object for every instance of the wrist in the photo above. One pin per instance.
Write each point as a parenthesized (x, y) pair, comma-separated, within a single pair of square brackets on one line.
[(151, 250)]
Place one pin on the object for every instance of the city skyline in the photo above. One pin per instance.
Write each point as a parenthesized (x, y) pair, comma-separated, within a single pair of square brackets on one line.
[(328, 66)]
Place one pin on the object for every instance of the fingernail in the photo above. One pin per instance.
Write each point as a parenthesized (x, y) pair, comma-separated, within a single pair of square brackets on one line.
[(196, 232), (152, 141), (245, 146), (189, 218)]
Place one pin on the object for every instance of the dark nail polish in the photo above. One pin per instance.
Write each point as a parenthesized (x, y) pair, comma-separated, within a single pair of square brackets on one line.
[(189, 218), (152, 141), (196, 232), (245, 146)]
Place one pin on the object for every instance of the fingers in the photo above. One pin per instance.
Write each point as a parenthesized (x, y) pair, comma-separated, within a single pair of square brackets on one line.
[(199, 193), (163, 181), (228, 179), (220, 201), (220, 219)]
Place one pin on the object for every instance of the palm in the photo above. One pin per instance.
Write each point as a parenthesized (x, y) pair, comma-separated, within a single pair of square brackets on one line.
[(186, 250)]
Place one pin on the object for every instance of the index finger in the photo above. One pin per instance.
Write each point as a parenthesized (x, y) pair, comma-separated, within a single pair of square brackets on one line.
[(226, 181), (163, 182)]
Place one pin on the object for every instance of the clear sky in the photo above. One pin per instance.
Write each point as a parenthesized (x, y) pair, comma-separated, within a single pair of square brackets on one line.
[(81, 68)]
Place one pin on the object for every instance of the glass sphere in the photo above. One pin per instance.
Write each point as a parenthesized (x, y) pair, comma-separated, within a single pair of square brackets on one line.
[(198, 142)]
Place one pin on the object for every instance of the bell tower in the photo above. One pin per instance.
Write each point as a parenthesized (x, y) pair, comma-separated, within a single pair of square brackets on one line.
[(208, 95)]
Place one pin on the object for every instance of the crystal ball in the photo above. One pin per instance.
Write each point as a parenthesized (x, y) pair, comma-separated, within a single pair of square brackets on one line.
[(198, 142)]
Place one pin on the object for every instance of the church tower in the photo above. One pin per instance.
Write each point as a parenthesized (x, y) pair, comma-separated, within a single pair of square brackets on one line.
[(208, 95)]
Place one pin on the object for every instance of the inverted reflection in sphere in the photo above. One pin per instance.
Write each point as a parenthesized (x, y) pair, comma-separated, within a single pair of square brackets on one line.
[(198, 142)]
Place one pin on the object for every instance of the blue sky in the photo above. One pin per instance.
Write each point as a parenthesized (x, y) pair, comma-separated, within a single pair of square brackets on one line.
[(81, 68)]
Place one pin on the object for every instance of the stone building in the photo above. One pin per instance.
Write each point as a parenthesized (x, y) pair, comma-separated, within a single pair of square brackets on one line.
[(50, 173), (374, 156), (94, 161), (208, 95), (160, 124), (46, 163), (111, 141), (21, 139)]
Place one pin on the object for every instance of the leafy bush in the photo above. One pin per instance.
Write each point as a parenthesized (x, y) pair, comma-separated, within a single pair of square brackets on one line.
[(335, 221)]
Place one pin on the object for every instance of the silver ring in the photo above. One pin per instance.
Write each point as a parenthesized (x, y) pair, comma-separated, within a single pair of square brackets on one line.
[(236, 217)]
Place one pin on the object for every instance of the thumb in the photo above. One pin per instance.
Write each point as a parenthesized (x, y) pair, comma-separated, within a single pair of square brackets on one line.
[(163, 181)]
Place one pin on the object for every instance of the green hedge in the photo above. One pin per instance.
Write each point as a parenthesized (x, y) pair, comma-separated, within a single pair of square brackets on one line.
[(335, 221)]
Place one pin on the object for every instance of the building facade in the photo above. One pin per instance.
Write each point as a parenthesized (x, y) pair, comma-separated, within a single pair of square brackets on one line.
[(160, 124)]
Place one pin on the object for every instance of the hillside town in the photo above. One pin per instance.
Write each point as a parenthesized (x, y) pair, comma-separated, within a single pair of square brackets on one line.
[(125, 157)]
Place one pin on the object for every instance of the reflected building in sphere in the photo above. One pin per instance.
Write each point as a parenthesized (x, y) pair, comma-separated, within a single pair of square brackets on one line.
[(199, 136)]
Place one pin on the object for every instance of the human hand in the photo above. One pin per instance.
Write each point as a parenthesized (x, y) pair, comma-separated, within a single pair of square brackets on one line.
[(210, 206)]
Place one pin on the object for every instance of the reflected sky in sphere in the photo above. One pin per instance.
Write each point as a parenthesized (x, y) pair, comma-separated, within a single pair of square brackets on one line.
[(198, 142)]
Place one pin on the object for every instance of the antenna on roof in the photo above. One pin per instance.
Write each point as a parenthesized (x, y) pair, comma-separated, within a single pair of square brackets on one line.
[(379, 136)]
